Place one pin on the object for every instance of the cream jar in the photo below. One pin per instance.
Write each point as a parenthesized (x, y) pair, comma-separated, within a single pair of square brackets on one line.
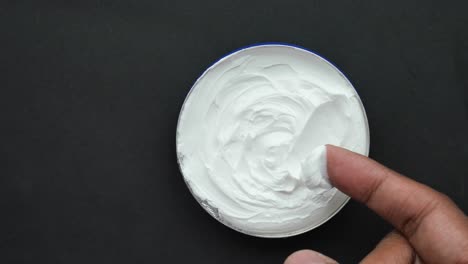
[(251, 139)]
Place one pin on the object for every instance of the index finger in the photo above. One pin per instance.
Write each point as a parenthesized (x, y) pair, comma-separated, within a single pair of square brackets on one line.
[(432, 223)]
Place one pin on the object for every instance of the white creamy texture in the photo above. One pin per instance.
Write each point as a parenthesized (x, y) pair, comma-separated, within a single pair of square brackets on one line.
[(251, 139)]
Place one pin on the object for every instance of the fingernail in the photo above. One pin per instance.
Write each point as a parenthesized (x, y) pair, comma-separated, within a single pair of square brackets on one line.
[(308, 257), (321, 259)]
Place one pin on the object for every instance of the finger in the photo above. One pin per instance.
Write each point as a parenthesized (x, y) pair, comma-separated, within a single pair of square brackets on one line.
[(308, 257), (436, 228), (394, 249)]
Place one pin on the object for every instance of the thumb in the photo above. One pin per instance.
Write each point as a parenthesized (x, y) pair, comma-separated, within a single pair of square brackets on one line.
[(306, 256)]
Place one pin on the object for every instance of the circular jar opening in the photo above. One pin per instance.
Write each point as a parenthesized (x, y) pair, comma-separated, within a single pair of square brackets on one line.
[(251, 139)]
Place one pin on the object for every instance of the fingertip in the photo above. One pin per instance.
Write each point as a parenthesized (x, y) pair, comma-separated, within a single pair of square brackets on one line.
[(337, 155), (340, 163), (394, 248), (331, 160), (307, 256)]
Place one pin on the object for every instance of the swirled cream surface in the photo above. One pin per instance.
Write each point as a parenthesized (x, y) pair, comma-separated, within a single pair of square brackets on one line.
[(251, 136)]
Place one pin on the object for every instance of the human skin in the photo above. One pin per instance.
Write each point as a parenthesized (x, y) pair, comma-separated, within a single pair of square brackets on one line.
[(429, 227)]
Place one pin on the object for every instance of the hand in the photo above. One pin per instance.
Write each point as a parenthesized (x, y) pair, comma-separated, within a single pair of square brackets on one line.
[(430, 228)]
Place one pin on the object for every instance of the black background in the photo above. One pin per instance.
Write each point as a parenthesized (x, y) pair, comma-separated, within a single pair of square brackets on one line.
[(90, 93)]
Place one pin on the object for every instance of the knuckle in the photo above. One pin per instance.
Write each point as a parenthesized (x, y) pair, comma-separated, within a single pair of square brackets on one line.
[(376, 184), (412, 222)]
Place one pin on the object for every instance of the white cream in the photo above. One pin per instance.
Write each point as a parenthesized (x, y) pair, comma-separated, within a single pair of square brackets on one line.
[(251, 139)]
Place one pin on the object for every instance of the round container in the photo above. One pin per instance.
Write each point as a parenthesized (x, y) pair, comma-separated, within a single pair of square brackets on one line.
[(320, 65)]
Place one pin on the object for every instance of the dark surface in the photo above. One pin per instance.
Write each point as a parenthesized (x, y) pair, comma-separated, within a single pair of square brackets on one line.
[(90, 94)]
